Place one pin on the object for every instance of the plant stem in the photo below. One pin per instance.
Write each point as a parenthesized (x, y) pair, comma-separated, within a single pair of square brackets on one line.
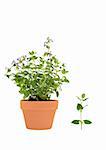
[(81, 118)]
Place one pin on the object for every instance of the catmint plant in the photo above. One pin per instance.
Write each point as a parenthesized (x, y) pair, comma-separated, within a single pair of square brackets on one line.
[(80, 107), (38, 77)]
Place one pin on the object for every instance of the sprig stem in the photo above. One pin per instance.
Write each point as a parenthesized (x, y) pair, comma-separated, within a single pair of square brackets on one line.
[(81, 120)]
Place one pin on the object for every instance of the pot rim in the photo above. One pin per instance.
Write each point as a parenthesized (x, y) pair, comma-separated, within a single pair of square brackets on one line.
[(25, 100), (39, 105)]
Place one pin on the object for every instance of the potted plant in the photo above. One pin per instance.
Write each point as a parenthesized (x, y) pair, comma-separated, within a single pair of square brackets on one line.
[(38, 77)]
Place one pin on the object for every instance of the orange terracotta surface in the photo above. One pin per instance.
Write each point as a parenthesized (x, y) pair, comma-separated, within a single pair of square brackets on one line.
[(39, 115)]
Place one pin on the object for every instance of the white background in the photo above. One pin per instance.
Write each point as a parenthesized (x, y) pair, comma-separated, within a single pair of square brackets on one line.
[(78, 28)]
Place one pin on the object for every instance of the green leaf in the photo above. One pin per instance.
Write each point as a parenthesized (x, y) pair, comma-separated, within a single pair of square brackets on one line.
[(8, 70), (83, 95), (64, 71), (32, 53), (75, 121), (7, 76), (57, 93), (85, 99), (79, 107), (46, 54), (87, 121), (32, 58), (79, 98), (47, 46), (63, 65), (64, 79)]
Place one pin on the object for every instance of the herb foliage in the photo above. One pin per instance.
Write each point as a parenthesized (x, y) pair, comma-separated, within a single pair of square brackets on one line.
[(38, 77)]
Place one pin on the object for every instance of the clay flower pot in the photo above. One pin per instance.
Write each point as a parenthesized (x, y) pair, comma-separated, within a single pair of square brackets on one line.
[(39, 115)]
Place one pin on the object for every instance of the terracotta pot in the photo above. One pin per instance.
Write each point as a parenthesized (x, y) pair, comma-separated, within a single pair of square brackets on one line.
[(39, 115)]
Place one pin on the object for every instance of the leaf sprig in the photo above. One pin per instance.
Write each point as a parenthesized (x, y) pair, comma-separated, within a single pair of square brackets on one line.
[(80, 106), (38, 77)]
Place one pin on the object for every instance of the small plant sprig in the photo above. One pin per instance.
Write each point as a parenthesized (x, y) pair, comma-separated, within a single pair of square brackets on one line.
[(80, 107)]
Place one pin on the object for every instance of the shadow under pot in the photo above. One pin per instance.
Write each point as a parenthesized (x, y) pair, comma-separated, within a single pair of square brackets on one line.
[(39, 115)]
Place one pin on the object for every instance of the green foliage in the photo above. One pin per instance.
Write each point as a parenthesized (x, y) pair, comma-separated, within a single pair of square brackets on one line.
[(87, 121), (38, 77), (83, 95), (76, 122), (80, 107)]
